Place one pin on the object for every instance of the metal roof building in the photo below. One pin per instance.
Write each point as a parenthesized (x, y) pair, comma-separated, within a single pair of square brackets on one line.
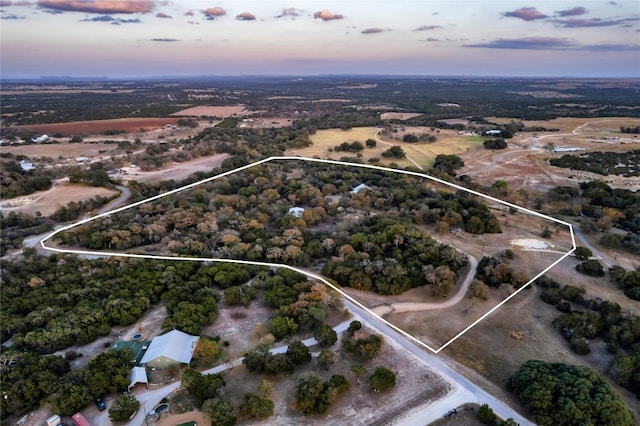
[(174, 347)]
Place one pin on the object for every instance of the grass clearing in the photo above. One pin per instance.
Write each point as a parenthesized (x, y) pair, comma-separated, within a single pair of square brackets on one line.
[(425, 153)]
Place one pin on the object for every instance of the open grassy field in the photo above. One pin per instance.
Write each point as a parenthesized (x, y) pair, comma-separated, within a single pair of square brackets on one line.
[(214, 111), (425, 153), (399, 115), (568, 124), (67, 150)]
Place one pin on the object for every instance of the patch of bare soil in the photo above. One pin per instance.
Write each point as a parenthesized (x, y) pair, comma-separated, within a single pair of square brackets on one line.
[(47, 202), (214, 111), (177, 171), (193, 416), (415, 386), (399, 115), (237, 324), (128, 125), (65, 149)]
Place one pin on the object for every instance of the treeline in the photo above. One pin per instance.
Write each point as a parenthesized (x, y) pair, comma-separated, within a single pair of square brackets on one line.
[(632, 130), (14, 227), (603, 163), (55, 302), (387, 256), (28, 379), (560, 394), (606, 207), (599, 319), (15, 182)]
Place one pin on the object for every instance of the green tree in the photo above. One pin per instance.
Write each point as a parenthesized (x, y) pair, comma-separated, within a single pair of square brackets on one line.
[(382, 379), (281, 327), (202, 386), (591, 267), (354, 326), (371, 143), (326, 358), (298, 353), (582, 253), (123, 407), (359, 371), (311, 394), (109, 372), (326, 335), (220, 412), (256, 407), (559, 394), (486, 415)]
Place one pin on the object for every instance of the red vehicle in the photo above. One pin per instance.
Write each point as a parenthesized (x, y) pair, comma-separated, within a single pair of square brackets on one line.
[(80, 420)]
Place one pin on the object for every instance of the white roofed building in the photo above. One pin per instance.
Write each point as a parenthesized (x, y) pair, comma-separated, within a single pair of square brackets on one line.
[(138, 375), (172, 348)]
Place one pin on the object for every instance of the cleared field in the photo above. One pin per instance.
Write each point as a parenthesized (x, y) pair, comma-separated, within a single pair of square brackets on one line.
[(47, 202), (214, 111), (65, 91), (128, 125), (179, 171), (425, 153), (67, 150), (568, 124), (325, 139), (399, 115)]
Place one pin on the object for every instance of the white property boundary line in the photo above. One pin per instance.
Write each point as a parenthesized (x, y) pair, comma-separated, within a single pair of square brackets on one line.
[(309, 274)]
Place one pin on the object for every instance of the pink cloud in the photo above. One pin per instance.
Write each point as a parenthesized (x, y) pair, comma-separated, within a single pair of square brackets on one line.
[(99, 6), (215, 11), (325, 15), (163, 15), (245, 16), (525, 13)]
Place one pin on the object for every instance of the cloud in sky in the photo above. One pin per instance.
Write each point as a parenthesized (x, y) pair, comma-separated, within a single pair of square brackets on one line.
[(576, 11), (245, 16), (593, 22), (372, 31), (612, 47), (431, 39), (214, 11), (98, 6), (188, 13), (529, 43), (525, 13), (11, 16), (325, 15), (428, 28), (109, 18), (165, 40), (290, 12), (163, 15), (5, 3)]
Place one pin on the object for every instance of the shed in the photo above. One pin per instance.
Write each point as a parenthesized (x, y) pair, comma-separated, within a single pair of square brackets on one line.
[(359, 188), (493, 132), (172, 348), (296, 211), (137, 375)]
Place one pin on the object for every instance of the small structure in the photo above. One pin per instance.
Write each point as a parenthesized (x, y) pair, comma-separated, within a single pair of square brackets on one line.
[(137, 375), (358, 188), (26, 166), (172, 348), (493, 132), (40, 139), (296, 211), (83, 159)]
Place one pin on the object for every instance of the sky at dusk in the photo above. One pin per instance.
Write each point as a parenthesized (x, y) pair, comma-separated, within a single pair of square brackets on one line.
[(146, 38)]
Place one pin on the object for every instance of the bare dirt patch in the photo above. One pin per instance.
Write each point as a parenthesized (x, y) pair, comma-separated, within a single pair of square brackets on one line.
[(399, 115), (176, 171), (196, 416), (128, 125), (47, 202), (65, 149), (214, 111)]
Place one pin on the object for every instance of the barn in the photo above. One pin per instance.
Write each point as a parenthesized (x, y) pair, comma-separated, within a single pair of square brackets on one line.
[(172, 348)]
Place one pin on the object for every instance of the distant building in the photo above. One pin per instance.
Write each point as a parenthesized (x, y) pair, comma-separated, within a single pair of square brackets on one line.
[(296, 211), (26, 166), (40, 139), (567, 149), (358, 188), (493, 132), (172, 348), (83, 159)]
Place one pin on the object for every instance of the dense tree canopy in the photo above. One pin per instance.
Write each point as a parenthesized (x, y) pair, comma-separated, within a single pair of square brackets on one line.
[(559, 394)]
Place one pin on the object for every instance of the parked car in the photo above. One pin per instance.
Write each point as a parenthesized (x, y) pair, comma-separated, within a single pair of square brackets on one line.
[(101, 404)]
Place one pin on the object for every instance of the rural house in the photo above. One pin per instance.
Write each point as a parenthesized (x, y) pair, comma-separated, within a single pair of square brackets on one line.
[(172, 348)]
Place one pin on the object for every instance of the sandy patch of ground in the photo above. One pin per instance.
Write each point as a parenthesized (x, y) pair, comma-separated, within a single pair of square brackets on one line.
[(531, 243), (176, 171), (214, 111), (65, 149), (47, 202), (399, 115), (200, 418), (129, 125), (331, 100), (275, 98)]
